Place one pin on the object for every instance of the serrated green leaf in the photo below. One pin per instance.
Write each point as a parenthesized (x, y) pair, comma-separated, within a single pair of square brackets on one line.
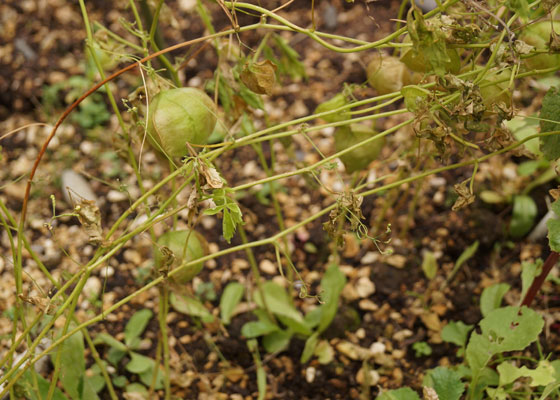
[(550, 111), (504, 329), (136, 325), (399, 394), (231, 214), (190, 306), (553, 234), (540, 376), (232, 295), (523, 217), (456, 333), (447, 383), (491, 297)]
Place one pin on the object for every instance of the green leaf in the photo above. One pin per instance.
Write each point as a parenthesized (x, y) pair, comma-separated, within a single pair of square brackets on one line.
[(277, 341), (428, 39), (324, 352), (190, 306), (253, 329), (491, 297), (332, 284), (456, 333), (25, 384), (289, 59), (72, 365), (399, 394), (232, 295), (504, 329), (414, 96), (277, 301), (529, 271), (550, 111), (466, 254), (447, 383), (521, 7), (299, 327), (232, 215), (429, 265), (252, 99), (136, 388), (147, 376), (554, 234), (523, 218), (310, 346), (139, 363), (136, 325), (313, 317), (109, 340), (541, 376), (556, 207), (521, 128)]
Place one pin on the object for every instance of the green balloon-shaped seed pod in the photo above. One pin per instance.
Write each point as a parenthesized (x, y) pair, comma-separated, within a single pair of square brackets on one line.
[(197, 247), (178, 116), (538, 36), (387, 74), (357, 159)]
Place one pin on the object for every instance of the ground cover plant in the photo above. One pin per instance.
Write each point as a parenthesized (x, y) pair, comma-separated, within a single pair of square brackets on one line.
[(279, 204)]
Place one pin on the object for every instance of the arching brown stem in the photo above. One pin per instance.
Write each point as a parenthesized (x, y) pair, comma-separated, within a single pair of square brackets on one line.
[(550, 262)]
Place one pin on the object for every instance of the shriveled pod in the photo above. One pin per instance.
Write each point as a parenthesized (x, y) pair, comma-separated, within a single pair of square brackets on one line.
[(180, 116), (170, 253), (387, 74), (357, 159)]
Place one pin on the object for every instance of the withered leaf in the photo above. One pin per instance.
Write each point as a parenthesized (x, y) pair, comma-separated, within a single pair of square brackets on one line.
[(465, 198), (211, 175), (555, 193), (90, 218), (259, 77)]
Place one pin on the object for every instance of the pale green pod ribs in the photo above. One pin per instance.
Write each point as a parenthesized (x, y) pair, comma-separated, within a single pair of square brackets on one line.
[(178, 116)]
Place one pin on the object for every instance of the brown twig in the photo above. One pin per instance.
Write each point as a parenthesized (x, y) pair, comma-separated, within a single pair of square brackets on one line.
[(550, 262)]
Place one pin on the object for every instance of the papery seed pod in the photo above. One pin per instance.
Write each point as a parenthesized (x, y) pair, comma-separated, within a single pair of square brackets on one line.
[(168, 253), (180, 116), (538, 35), (416, 61), (387, 74), (333, 103), (358, 159)]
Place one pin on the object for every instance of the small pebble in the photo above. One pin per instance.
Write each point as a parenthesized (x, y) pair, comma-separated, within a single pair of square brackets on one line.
[(373, 377), (268, 267), (310, 373), (77, 186), (365, 287)]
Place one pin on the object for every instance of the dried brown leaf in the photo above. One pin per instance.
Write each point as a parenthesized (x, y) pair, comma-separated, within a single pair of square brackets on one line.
[(90, 218), (259, 77)]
